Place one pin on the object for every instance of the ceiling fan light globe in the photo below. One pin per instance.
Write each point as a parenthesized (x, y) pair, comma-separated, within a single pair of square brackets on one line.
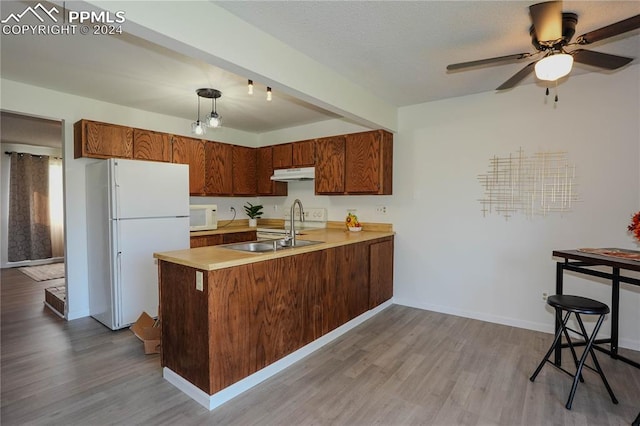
[(554, 67)]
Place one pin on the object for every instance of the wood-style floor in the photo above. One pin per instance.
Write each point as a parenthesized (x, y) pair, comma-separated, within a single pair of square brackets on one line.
[(404, 366)]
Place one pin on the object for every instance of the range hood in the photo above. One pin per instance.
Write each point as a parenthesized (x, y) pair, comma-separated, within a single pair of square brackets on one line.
[(300, 173)]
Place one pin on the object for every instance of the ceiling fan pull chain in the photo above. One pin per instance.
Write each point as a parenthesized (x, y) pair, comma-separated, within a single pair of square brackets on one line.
[(547, 92), (556, 100)]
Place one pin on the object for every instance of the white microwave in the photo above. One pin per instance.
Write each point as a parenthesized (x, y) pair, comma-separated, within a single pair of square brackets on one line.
[(203, 217)]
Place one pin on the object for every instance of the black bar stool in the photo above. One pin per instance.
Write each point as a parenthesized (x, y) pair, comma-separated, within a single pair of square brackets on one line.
[(578, 306)]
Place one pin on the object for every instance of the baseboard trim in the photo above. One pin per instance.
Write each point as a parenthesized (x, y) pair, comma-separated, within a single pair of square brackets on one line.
[(211, 402)]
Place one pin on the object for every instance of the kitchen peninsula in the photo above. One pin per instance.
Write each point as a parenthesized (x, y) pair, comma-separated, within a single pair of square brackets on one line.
[(231, 318)]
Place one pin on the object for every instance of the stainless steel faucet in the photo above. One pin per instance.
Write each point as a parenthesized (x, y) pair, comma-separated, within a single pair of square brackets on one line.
[(292, 231)]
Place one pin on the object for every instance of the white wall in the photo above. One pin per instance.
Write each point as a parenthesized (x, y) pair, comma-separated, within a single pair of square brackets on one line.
[(449, 258), (26, 99)]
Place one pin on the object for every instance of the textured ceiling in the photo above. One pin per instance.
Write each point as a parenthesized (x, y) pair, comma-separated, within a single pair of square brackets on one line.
[(398, 50)]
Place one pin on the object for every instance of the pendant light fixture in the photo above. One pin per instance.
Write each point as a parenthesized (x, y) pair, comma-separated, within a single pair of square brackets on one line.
[(213, 119), (250, 87), (269, 94)]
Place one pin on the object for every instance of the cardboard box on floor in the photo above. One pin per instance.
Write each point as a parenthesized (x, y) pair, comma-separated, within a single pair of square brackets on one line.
[(148, 330)]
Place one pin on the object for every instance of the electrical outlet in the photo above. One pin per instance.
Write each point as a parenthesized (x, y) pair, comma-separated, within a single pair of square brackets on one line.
[(381, 210), (199, 281), (544, 296), (232, 209)]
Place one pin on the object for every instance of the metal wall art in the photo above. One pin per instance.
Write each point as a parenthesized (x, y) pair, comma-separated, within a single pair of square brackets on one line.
[(532, 185)]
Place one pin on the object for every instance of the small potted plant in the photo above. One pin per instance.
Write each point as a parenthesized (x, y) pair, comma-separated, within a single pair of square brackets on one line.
[(254, 212)]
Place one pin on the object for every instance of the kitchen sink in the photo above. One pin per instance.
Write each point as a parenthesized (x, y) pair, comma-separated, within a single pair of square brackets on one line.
[(263, 246)]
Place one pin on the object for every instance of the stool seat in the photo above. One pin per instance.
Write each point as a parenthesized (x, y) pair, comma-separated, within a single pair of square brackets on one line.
[(577, 304)]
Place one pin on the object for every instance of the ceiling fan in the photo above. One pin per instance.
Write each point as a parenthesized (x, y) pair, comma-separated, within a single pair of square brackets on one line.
[(551, 31)]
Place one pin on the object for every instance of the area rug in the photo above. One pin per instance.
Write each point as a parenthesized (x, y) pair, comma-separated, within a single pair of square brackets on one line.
[(44, 272)]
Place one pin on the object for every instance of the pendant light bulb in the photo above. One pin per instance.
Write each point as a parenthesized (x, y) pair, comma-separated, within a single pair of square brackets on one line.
[(250, 86), (213, 119), (269, 97), (196, 127)]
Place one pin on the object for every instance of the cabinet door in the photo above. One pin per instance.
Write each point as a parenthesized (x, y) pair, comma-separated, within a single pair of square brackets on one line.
[(368, 163), (282, 156), (380, 272), (265, 186), (345, 293), (244, 170), (149, 145), (330, 163), (219, 168), (238, 237), (191, 151), (102, 140), (206, 240), (304, 153)]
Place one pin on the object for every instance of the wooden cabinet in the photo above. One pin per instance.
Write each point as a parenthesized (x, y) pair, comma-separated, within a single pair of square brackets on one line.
[(369, 161), (345, 292), (264, 171), (249, 316), (303, 153), (217, 239), (244, 170), (330, 164), (102, 140), (357, 163), (380, 271), (282, 156), (219, 168), (295, 154), (192, 152), (151, 146)]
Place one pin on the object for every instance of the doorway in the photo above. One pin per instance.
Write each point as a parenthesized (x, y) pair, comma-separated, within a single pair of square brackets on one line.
[(32, 203)]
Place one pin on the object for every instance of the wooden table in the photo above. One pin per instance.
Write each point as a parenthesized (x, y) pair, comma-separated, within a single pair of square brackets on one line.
[(582, 262)]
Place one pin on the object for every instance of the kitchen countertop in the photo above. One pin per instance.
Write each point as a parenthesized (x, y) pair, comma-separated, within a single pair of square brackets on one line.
[(217, 257)]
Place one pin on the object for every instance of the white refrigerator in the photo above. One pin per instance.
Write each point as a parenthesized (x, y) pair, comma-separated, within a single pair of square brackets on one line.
[(134, 208)]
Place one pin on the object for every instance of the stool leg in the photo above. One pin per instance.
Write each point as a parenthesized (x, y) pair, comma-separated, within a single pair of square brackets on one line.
[(553, 346), (636, 422), (573, 351), (595, 360)]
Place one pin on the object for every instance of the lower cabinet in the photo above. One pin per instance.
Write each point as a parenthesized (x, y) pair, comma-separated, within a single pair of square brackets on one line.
[(217, 239), (249, 316)]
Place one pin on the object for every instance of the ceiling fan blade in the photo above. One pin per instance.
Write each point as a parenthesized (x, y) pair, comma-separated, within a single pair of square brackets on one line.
[(489, 61), (620, 27), (517, 77), (598, 59), (547, 20)]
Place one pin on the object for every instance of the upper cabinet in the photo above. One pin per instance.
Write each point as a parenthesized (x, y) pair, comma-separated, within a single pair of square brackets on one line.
[(101, 140), (330, 164), (351, 164), (244, 170), (282, 156), (303, 153), (192, 152), (369, 161), (219, 168), (264, 171), (295, 154), (356, 163), (152, 146)]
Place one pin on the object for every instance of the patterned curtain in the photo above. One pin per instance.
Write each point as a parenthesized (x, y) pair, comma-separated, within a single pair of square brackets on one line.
[(29, 236)]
